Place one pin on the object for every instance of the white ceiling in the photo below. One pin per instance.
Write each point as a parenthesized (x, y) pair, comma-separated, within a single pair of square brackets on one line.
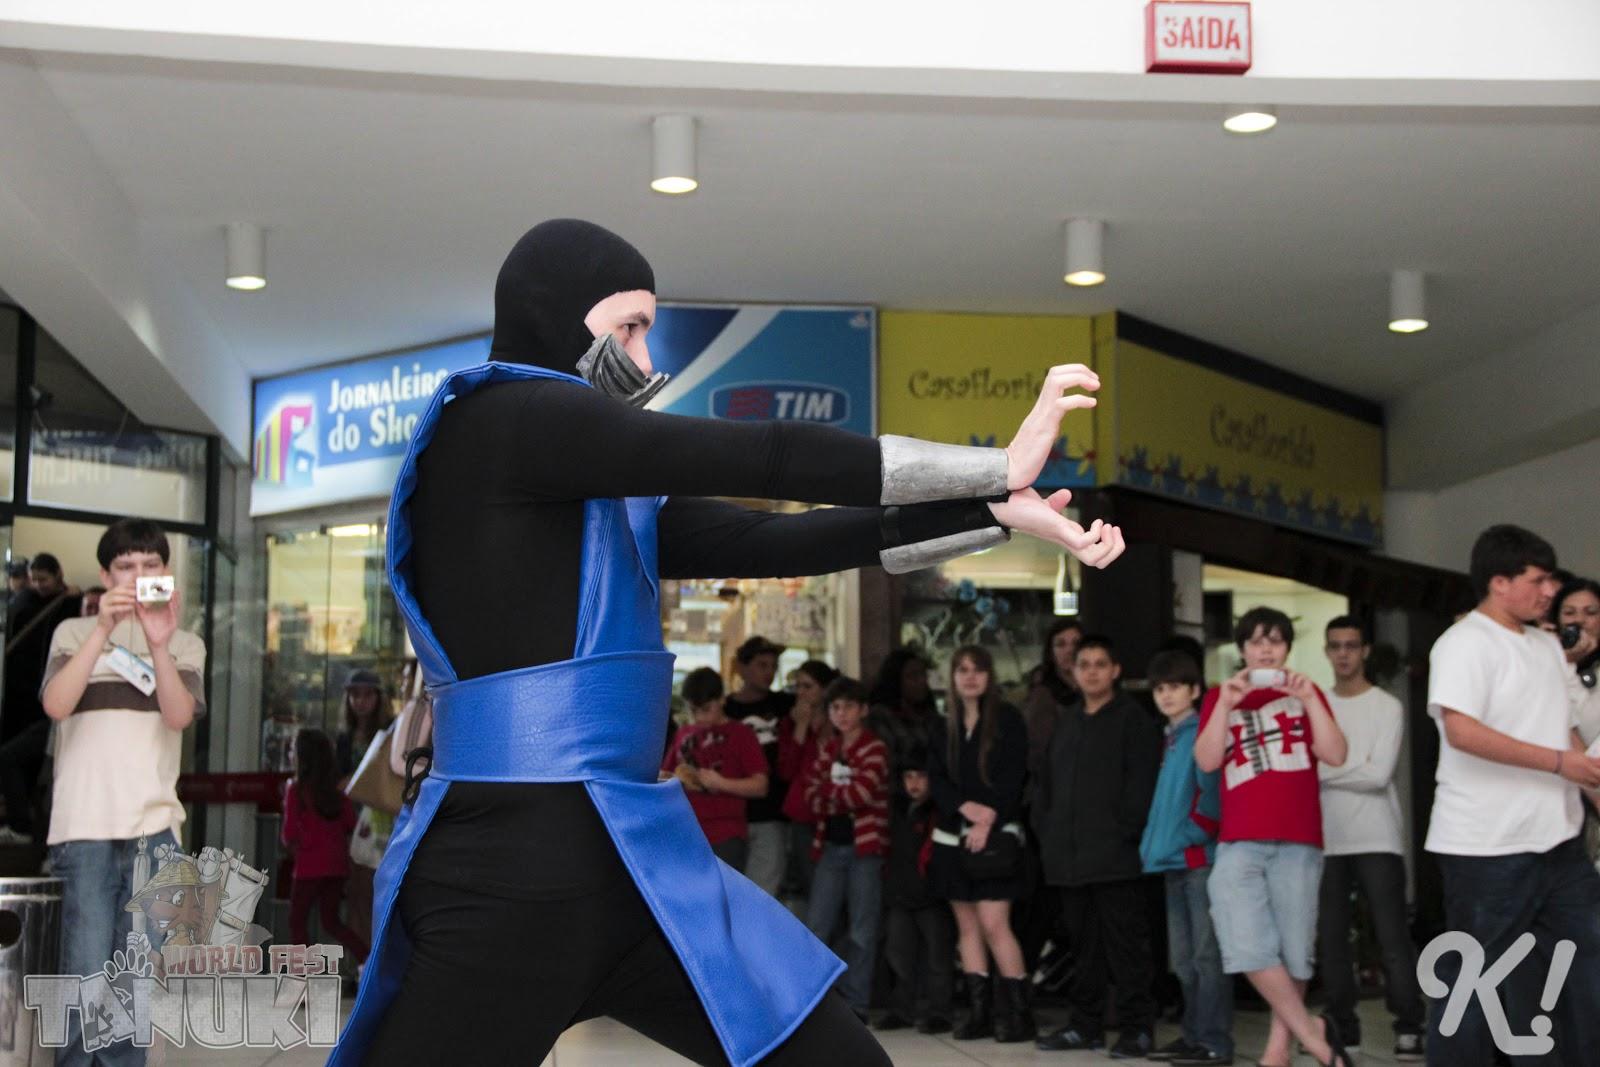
[(391, 201)]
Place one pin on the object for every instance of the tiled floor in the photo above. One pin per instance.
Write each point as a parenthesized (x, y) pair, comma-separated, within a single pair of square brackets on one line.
[(607, 1044)]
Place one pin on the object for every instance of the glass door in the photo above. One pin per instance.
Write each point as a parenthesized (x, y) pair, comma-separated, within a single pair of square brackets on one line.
[(329, 612)]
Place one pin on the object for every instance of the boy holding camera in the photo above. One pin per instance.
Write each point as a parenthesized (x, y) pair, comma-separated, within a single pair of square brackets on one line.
[(122, 686), (920, 946), (721, 765), (1179, 843), (1266, 728)]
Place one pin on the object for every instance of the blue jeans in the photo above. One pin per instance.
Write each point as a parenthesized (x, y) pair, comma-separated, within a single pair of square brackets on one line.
[(844, 879), (97, 883), (1264, 905), (1197, 961), (1554, 895)]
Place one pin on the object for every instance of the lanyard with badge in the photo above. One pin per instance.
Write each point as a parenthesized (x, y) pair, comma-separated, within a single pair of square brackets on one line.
[(131, 667)]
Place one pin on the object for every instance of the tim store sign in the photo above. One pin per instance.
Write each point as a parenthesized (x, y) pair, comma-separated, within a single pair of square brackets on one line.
[(1189, 37)]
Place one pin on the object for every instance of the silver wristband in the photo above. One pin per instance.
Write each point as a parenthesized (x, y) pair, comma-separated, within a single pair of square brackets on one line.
[(905, 558), (915, 472)]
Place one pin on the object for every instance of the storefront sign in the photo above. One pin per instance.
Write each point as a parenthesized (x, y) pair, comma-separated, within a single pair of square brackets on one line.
[(1184, 430), (762, 362), (339, 433), (971, 379), (1196, 38)]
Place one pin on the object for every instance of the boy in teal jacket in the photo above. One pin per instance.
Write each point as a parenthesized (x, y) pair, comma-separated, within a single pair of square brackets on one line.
[(1179, 842)]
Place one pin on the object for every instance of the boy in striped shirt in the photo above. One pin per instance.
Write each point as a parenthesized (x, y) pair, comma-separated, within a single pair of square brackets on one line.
[(847, 789)]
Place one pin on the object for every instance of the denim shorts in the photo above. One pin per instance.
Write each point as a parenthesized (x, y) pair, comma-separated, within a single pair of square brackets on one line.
[(1264, 905)]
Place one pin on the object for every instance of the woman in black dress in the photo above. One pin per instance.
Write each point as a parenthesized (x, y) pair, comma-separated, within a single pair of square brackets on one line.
[(977, 779)]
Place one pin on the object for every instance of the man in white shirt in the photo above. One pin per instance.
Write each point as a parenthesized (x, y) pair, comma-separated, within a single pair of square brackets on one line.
[(1362, 846), (1506, 814)]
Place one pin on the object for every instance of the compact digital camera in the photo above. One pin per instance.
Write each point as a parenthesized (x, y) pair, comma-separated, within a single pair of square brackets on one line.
[(154, 590), (1268, 678)]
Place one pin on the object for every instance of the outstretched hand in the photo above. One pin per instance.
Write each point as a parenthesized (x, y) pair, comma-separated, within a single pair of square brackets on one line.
[(1030, 449), (1025, 511)]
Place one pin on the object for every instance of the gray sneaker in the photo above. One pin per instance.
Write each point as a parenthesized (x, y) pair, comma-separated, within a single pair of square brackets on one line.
[(1408, 1048)]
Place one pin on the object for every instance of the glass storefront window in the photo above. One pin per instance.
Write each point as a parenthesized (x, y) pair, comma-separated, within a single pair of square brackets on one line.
[(10, 327), (91, 454), (329, 612), (1003, 599)]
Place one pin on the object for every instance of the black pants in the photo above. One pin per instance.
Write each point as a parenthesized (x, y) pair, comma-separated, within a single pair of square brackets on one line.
[(1110, 936), (20, 760), (921, 950), (495, 980), (1382, 878)]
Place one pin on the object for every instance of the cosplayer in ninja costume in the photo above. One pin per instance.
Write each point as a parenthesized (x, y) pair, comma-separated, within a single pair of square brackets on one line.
[(543, 876)]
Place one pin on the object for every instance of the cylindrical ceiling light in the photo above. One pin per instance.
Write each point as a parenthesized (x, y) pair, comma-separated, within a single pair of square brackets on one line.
[(674, 171), (247, 256), (1250, 118), (1085, 248), (1408, 305)]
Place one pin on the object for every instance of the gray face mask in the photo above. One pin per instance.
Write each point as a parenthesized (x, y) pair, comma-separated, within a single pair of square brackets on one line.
[(609, 369)]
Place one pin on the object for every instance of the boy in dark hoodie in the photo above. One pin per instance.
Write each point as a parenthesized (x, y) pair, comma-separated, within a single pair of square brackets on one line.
[(920, 943), (1179, 842)]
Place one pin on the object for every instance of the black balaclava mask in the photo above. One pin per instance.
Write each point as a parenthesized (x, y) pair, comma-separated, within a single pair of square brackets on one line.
[(553, 277)]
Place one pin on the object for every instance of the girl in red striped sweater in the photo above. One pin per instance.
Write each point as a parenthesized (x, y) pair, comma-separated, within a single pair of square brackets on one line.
[(847, 790)]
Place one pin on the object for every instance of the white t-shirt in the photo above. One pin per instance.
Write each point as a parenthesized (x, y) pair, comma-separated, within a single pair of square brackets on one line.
[(1360, 807), (116, 770), (1516, 684)]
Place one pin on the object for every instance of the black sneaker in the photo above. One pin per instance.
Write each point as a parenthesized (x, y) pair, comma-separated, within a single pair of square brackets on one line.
[(1203, 1057), (890, 1021), (1069, 1039), (1133, 1045), (1409, 1048), (933, 1024), (1173, 1051)]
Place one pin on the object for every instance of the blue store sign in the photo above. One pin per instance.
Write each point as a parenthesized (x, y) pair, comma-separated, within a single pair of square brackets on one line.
[(338, 433)]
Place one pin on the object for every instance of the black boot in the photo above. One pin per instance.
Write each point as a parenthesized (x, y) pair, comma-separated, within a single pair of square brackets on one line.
[(980, 1020), (1014, 1018)]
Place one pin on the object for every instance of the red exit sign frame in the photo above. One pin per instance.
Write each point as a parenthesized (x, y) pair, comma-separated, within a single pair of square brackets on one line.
[(1197, 37)]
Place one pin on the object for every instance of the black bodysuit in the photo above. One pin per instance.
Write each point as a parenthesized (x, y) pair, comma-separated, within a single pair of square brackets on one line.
[(497, 522)]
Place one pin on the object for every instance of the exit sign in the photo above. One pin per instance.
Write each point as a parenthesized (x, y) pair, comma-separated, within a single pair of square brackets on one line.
[(1188, 37)]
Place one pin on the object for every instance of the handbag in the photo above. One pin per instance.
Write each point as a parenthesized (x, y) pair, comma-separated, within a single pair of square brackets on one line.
[(1001, 857), (374, 783)]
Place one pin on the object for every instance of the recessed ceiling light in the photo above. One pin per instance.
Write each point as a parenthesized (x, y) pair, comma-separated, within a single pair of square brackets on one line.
[(1085, 247), (1408, 306), (674, 155), (246, 256), (1250, 118)]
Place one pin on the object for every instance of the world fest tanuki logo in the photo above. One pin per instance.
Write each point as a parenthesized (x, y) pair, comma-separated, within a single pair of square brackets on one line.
[(194, 970)]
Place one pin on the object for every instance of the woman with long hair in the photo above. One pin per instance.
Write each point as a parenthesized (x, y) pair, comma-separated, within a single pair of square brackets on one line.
[(1051, 687), (903, 712), (366, 713), (1578, 604), (977, 863), (317, 820)]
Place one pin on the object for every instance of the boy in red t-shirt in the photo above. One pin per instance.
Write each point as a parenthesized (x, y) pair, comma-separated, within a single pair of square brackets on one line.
[(1266, 728), (721, 766)]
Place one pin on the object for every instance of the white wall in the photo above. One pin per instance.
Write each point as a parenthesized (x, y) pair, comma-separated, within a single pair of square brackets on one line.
[(1556, 496)]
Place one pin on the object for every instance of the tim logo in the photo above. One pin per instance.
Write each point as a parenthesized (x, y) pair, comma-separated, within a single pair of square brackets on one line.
[(286, 445), (798, 401), (1474, 981)]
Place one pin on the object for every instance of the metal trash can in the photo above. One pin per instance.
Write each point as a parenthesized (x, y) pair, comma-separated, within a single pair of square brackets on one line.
[(30, 943)]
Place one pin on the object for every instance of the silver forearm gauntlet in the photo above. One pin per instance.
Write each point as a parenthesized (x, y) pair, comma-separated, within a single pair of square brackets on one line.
[(904, 558), (915, 472)]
